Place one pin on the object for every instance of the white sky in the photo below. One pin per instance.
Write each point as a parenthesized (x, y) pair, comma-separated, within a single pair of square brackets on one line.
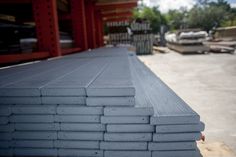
[(233, 5), (165, 5)]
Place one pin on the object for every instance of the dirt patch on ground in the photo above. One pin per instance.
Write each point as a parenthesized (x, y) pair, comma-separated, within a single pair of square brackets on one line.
[(215, 149)]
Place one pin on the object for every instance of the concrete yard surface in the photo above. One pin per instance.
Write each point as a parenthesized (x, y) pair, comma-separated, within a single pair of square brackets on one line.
[(207, 82)]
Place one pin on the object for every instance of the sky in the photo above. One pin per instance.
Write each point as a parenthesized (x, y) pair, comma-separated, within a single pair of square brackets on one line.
[(165, 5)]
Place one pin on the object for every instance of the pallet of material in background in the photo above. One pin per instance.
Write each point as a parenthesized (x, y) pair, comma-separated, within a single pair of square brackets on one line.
[(185, 49), (222, 46)]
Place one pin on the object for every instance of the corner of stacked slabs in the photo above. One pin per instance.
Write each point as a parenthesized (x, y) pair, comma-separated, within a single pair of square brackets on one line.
[(104, 102)]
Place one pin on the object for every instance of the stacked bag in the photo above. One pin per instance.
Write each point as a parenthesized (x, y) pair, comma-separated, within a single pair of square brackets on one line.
[(99, 103), (187, 41)]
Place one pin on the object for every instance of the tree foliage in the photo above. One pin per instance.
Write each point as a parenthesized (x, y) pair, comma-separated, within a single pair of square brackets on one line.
[(205, 14), (151, 14), (209, 14)]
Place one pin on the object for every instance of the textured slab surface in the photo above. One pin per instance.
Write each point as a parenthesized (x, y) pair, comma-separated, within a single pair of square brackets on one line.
[(77, 144), (32, 119), (115, 80), (7, 128), (172, 146), (81, 152), (11, 75), (175, 119), (130, 128), (35, 152), (5, 110), (124, 120), (6, 152), (91, 136), (79, 110), (30, 84), (127, 154), (168, 107), (123, 145), (178, 153), (82, 127), (20, 100), (37, 127), (110, 101), (5, 136), (33, 144), (4, 120), (5, 144), (64, 100), (47, 135), (36, 109), (177, 137), (77, 119), (180, 128), (128, 137), (128, 111), (76, 82)]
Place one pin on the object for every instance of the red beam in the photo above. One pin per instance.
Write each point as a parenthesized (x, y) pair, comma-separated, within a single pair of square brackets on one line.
[(117, 14), (15, 1), (117, 11), (118, 19), (70, 50), (112, 6), (14, 58), (46, 20), (65, 17)]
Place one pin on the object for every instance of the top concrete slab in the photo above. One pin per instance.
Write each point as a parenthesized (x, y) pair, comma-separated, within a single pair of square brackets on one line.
[(104, 72), (115, 80), (30, 82), (100, 52), (76, 82)]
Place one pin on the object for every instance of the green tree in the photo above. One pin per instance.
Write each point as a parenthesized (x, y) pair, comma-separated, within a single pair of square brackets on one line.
[(153, 15), (207, 15), (176, 18)]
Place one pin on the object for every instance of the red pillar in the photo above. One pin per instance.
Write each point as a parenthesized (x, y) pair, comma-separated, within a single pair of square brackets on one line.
[(98, 28), (79, 23), (90, 23), (47, 29), (102, 32)]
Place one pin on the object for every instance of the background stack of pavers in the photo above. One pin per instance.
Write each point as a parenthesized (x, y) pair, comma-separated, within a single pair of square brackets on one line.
[(99, 103)]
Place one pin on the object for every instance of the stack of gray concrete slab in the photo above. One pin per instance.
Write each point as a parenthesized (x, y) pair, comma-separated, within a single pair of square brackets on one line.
[(103, 102), (177, 126)]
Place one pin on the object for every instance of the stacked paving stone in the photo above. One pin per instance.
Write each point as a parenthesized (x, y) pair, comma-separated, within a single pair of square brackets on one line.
[(104, 102), (177, 126)]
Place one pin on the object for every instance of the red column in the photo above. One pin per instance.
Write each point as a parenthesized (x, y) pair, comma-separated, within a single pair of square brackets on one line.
[(47, 29), (102, 32), (90, 23), (79, 23), (98, 28)]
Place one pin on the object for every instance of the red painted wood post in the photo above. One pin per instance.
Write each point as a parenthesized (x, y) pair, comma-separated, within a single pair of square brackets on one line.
[(47, 29), (90, 22), (98, 28), (102, 32), (79, 23)]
